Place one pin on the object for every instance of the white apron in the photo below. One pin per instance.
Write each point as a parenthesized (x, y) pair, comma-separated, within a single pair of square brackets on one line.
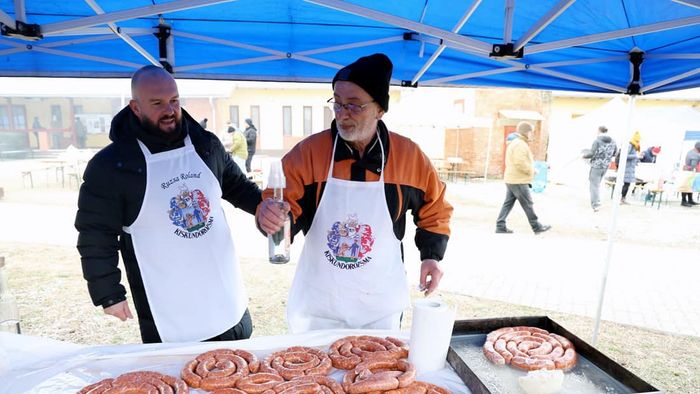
[(184, 248), (350, 273)]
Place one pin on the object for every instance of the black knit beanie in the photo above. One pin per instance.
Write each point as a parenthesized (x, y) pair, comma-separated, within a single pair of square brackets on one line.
[(371, 73)]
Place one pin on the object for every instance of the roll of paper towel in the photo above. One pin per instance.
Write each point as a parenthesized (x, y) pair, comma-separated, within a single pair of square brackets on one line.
[(431, 331)]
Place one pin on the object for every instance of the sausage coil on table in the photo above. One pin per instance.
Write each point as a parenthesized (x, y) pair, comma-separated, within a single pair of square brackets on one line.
[(297, 361), (419, 388), (375, 366), (379, 375), (347, 352), (529, 348), (228, 391), (308, 384), (138, 382), (219, 369)]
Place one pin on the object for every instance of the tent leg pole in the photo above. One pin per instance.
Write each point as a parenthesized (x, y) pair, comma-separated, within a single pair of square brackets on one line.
[(617, 196), (488, 152)]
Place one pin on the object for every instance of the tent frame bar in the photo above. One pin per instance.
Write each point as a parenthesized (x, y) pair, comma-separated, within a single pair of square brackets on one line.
[(20, 11), (276, 55), (474, 45), (689, 3), (548, 18), (125, 37), (173, 6), (458, 26), (508, 21), (611, 35), (675, 78), (95, 31), (7, 20)]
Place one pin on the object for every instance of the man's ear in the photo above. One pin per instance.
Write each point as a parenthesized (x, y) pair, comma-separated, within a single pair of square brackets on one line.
[(135, 107), (380, 113)]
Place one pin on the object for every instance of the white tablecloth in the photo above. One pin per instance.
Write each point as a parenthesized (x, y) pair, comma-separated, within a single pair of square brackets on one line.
[(40, 365)]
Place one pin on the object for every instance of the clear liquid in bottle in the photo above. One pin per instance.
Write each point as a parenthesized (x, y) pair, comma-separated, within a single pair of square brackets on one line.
[(279, 242)]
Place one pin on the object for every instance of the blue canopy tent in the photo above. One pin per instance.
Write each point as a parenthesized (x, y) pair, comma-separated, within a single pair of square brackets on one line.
[(584, 45), (613, 46)]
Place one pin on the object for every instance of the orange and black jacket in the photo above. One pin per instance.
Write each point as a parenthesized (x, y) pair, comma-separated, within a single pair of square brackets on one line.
[(411, 183)]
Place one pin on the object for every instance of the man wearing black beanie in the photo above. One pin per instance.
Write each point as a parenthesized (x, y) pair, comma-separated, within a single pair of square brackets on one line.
[(348, 190)]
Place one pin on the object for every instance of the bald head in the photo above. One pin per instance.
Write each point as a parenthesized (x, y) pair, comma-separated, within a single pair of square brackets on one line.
[(148, 75), (155, 100)]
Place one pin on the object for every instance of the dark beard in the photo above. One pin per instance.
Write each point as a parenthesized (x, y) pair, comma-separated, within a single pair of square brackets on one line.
[(153, 129)]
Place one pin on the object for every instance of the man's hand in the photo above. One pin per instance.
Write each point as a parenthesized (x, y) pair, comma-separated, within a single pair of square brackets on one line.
[(430, 275), (119, 310), (271, 215)]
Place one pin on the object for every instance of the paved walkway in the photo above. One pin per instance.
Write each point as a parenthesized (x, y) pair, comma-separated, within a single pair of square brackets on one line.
[(647, 286)]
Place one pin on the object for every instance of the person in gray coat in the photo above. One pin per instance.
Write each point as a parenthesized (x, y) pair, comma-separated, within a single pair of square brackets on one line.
[(632, 160), (692, 160), (602, 151)]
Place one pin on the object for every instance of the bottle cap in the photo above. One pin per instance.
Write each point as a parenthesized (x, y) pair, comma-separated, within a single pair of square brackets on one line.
[(276, 178)]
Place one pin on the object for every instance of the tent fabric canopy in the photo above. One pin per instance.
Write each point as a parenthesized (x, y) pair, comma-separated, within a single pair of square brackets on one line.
[(577, 45)]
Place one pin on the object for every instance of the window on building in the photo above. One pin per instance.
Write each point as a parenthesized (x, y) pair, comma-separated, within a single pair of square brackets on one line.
[(327, 117), (56, 117), (307, 121), (287, 120), (4, 118), (255, 117), (77, 109), (19, 117), (233, 115)]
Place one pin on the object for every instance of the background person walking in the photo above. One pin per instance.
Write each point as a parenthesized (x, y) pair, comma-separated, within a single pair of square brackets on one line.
[(690, 168), (602, 151), (251, 137), (520, 171), (632, 160)]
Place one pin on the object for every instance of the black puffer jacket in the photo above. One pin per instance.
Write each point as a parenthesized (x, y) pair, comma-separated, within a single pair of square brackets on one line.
[(111, 197)]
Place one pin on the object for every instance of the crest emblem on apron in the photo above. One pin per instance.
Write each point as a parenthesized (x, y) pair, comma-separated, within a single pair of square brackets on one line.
[(349, 243), (189, 210)]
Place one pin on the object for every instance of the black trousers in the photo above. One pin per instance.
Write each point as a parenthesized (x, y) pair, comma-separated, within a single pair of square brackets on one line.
[(242, 330), (625, 188), (249, 160)]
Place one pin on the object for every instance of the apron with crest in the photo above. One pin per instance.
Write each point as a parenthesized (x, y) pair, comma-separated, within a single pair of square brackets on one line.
[(184, 249), (350, 273)]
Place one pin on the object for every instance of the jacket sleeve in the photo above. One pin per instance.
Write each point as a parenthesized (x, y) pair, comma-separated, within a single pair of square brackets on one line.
[(99, 223), (522, 160), (432, 217), (594, 148), (236, 188)]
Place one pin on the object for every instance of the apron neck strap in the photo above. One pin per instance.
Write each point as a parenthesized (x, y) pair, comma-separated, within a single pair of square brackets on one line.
[(335, 143), (147, 153)]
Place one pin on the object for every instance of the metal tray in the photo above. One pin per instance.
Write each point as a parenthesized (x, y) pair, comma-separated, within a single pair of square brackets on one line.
[(593, 372)]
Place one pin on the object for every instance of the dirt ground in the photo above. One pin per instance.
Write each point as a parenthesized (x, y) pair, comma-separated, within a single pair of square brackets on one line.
[(45, 273)]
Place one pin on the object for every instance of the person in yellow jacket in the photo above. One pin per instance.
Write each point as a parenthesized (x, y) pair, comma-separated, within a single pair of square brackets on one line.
[(239, 147), (518, 177)]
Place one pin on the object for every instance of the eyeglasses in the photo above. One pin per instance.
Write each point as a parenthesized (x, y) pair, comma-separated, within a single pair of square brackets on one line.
[(353, 108)]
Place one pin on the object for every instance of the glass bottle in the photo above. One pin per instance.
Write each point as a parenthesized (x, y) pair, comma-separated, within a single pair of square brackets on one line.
[(9, 314), (278, 243)]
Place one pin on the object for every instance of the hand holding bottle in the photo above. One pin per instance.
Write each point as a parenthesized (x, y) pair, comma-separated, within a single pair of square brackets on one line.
[(272, 215), (279, 240)]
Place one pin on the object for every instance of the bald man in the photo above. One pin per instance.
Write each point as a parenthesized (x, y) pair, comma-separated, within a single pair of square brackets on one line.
[(155, 195)]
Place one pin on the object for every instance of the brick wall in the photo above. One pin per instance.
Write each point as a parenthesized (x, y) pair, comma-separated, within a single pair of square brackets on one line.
[(471, 143)]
